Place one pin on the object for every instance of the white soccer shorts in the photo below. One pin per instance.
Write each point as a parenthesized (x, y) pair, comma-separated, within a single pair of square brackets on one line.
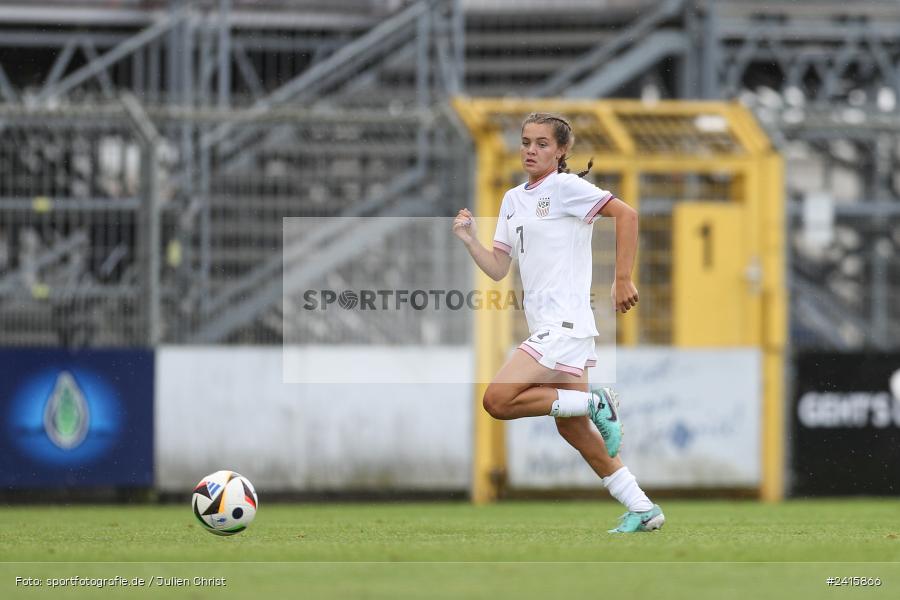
[(555, 350)]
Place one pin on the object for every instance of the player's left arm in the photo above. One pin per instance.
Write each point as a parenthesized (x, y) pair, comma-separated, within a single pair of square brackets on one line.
[(624, 293)]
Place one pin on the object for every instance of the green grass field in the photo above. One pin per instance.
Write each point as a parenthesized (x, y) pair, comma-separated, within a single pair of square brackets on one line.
[(509, 550)]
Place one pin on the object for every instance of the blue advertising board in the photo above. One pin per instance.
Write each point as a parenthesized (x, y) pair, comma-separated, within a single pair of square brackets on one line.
[(76, 418)]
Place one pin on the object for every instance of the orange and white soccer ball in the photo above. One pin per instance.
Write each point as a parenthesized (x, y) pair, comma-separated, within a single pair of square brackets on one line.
[(224, 502)]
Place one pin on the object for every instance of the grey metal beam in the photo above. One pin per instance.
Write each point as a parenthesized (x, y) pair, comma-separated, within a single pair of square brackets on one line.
[(138, 67), (173, 55), (366, 81), (688, 85), (737, 64), (264, 41), (806, 309), (205, 230), (423, 85), (440, 29), (290, 18), (6, 88), (885, 66), (830, 313), (154, 62), (187, 62), (206, 65), (224, 72), (820, 121), (12, 281), (310, 81), (277, 43), (149, 216), (710, 55), (61, 204), (630, 64), (106, 83), (635, 32), (341, 249), (330, 228), (32, 12), (41, 38), (879, 303), (105, 114), (60, 64), (829, 63), (248, 73), (303, 20), (445, 49), (83, 291), (140, 120), (112, 56), (186, 99), (151, 283), (458, 23), (806, 32)]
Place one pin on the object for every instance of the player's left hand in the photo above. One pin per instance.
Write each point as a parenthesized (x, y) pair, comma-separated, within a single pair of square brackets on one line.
[(624, 295)]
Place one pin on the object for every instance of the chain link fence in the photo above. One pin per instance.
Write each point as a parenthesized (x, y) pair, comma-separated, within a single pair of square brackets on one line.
[(69, 230), (106, 241)]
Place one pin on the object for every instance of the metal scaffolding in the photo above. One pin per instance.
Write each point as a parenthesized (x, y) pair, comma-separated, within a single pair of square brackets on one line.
[(254, 110), (212, 166)]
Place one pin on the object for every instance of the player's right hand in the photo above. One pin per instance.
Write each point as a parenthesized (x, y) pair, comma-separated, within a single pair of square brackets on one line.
[(624, 295), (464, 226)]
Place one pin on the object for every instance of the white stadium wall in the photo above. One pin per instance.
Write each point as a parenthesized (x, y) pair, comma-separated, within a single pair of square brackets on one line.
[(692, 419), (227, 408)]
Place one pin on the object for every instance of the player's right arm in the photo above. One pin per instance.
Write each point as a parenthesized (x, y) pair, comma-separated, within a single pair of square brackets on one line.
[(494, 262)]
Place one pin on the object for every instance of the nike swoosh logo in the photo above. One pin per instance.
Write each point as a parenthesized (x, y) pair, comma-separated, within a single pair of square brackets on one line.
[(612, 411), (508, 217)]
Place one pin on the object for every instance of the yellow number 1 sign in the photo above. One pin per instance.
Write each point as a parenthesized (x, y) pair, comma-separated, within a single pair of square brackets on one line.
[(710, 293)]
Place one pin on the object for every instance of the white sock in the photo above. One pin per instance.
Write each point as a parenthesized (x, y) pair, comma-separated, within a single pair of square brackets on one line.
[(570, 403), (623, 487)]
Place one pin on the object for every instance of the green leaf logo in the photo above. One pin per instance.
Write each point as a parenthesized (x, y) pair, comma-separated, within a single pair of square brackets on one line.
[(66, 416)]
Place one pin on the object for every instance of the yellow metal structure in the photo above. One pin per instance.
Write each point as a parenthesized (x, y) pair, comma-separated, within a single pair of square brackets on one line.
[(709, 189), (709, 293)]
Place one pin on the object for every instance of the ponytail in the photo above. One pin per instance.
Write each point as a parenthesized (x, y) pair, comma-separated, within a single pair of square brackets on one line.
[(563, 168), (588, 170)]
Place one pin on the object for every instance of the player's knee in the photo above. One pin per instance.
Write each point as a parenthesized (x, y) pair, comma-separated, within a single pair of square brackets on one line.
[(495, 402)]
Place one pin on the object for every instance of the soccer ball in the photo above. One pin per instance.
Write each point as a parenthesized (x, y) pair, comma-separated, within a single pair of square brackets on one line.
[(224, 502)]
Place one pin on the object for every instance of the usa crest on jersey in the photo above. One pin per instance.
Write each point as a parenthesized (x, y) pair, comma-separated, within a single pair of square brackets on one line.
[(543, 207)]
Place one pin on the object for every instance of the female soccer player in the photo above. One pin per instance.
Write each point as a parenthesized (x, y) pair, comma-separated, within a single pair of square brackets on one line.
[(546, 223)]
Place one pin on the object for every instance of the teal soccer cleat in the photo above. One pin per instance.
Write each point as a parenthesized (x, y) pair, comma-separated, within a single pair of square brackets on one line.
[(634, 522), (604, 413)]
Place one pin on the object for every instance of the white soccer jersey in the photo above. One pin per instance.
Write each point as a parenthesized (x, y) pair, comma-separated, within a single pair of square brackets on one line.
[(548, 229)]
